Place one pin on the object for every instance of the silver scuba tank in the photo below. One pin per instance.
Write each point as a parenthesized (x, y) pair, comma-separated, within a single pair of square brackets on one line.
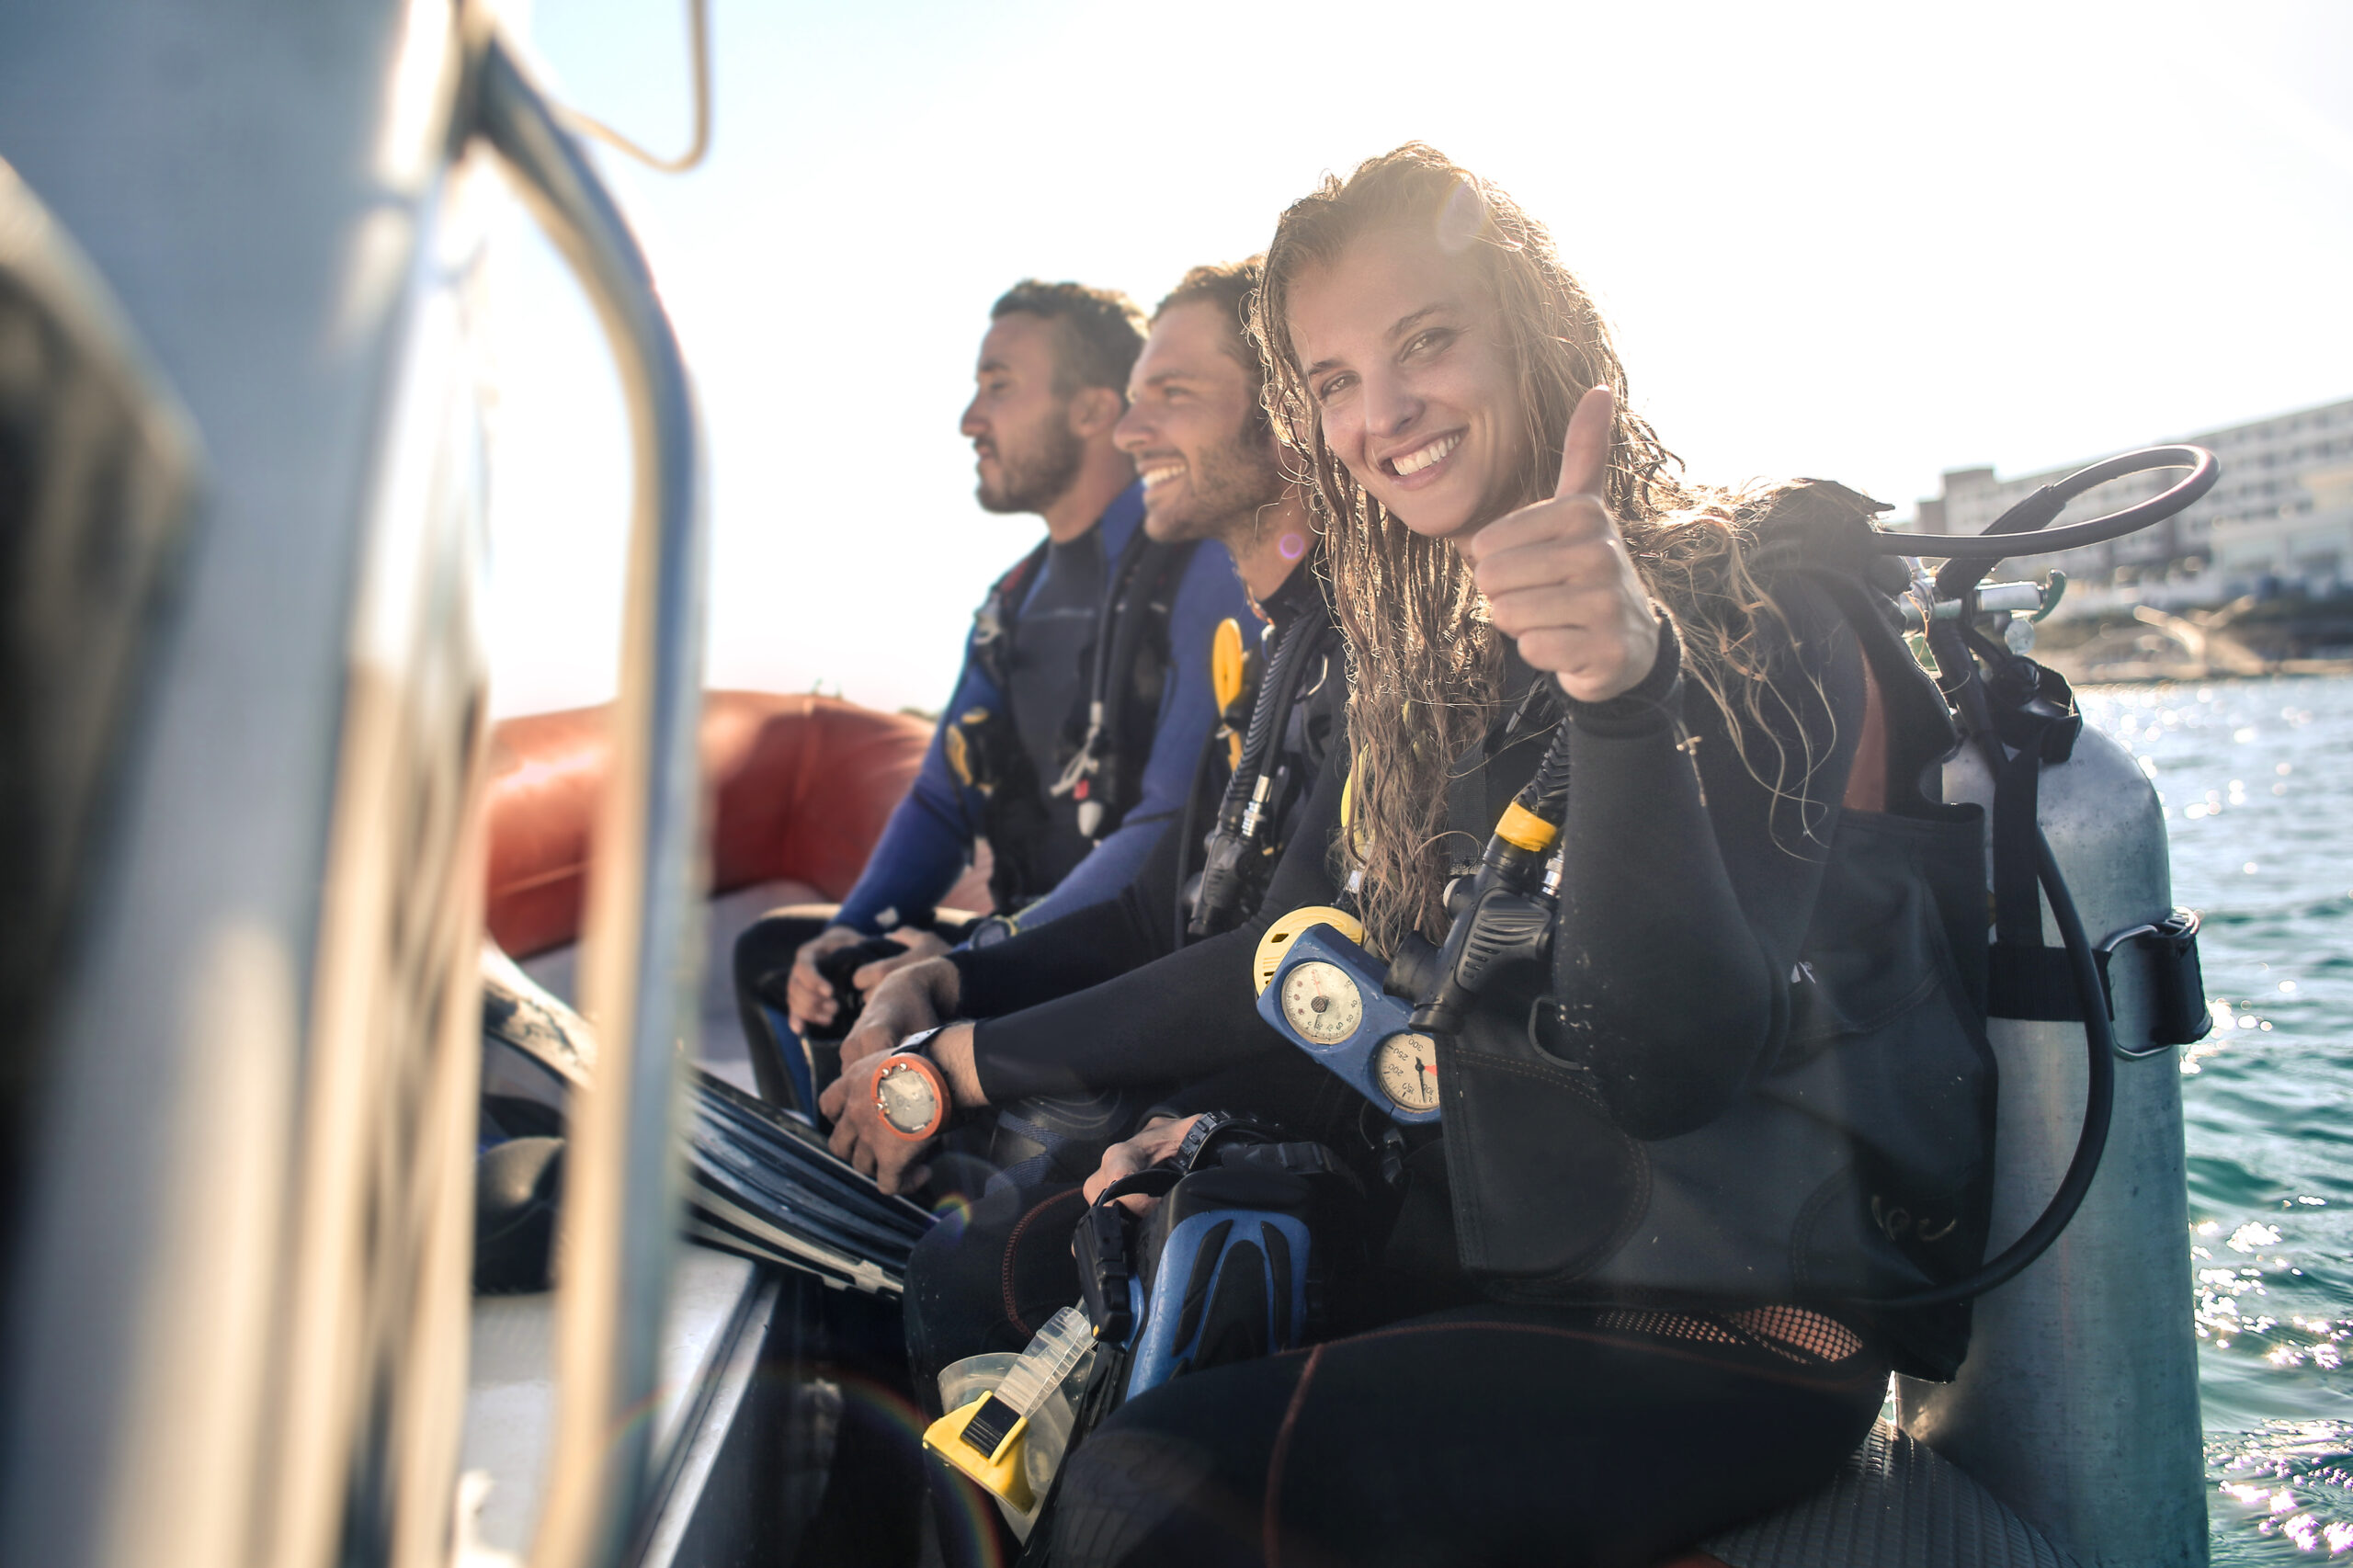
[(2078, 1404)]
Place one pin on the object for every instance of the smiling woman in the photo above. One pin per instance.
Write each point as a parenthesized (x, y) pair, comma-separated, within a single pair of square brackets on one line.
[(1616, 1221), (1424, 348)]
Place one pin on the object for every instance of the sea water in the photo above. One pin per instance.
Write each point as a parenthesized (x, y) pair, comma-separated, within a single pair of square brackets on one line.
[(2256, 781)]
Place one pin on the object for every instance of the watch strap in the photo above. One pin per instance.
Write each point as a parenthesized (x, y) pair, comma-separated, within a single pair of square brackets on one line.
[(1211, 1128), (919, 1042)]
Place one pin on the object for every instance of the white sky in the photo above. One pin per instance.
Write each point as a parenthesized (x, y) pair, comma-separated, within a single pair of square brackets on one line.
[(1869, 241)]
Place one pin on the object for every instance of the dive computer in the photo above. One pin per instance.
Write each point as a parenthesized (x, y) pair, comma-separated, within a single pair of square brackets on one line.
[(909, 1090)]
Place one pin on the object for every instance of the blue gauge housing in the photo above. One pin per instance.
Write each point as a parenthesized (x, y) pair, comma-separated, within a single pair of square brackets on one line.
[(1383, 1016)]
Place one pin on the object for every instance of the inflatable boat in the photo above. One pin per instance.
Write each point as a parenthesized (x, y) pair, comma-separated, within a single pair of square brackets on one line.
[(251, 798)]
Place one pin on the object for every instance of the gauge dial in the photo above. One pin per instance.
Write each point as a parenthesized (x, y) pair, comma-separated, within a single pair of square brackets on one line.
[(1321, 1001), (907, 1098), (1277, 940), (1406, 1066)]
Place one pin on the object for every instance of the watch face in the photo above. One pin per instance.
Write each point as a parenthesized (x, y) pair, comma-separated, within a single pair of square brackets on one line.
[(1321, 1001), (906, 1098), (1406, 1066)]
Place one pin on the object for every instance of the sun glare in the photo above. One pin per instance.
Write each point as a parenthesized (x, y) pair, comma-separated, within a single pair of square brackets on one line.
[(1869, 241)]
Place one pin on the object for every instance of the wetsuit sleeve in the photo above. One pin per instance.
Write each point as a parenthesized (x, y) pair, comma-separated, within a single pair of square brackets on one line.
[(1184, 1016), (928, 843), (1206, 593), (1083, 948), (1691, 870)]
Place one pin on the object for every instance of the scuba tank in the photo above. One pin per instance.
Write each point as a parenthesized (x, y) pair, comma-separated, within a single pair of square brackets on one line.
[(2079, 1402)]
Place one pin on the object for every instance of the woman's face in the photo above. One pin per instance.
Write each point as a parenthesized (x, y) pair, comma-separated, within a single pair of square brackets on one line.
[(1411, 382)]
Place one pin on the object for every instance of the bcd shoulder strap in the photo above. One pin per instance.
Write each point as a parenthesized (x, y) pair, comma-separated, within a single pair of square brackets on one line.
[(1823, 530), (990, 644), (1109, 736)]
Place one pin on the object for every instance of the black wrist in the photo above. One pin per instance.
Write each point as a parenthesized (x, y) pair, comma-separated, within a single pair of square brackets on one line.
[(1205, 1126), (1652, 704), (988, 931)]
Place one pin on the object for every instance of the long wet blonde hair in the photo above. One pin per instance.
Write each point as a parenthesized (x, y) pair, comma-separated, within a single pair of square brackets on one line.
[(1426, 661)]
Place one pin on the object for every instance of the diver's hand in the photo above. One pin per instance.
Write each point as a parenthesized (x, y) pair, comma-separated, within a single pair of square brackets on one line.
[(920, 944), (861, 1137), (915, 997), (1154, 1142), (807, 996), (859, 1133), (1558, 578)]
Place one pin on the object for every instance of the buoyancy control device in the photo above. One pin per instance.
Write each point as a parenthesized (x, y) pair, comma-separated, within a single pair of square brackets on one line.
[(1108, 740), (1242, 846), (983, 750), (1868, 1233)]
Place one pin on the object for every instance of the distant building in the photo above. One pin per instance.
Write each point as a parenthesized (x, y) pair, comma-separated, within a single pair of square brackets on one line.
[(2279, 520)]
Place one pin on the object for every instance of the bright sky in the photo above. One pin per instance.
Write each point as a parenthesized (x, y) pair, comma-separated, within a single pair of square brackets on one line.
[(1869, 241)]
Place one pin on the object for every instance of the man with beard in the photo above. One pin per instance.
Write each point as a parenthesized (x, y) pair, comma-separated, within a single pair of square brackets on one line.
[(1083, 1024), (1070, 810), (1058, 1064)]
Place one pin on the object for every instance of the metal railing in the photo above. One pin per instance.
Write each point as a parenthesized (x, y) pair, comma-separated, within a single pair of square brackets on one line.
[(620, 1213)]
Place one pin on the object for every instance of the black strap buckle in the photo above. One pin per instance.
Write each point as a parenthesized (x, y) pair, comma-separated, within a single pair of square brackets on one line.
[(2177, 989)]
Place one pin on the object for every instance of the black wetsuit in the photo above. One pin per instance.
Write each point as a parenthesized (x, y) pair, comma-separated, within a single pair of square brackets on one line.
[(1103, 989), (1032, 994), (1581, 1432)]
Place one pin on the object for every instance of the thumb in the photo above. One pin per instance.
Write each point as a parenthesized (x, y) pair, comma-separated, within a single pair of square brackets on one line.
[(1585, 450)]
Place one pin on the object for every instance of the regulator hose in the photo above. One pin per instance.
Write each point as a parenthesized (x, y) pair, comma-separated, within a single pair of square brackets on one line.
[(1958, 651), (2100, 1107), (2036, 511), (1240, 816)]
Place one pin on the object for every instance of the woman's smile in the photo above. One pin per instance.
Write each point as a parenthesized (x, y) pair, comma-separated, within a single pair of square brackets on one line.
[(1414, 468)]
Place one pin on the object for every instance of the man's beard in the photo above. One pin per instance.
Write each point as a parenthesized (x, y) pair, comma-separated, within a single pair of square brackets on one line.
[(1226, 489), (1034, 477)]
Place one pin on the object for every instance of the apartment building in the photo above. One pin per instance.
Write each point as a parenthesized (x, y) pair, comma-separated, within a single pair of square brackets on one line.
[(2279, 520)]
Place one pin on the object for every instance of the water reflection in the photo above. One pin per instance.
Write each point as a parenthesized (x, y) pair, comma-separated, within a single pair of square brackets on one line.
[(2254, 779)]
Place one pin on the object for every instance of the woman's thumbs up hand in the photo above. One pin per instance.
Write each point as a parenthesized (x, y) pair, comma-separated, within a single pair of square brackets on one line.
[(1558, 578)]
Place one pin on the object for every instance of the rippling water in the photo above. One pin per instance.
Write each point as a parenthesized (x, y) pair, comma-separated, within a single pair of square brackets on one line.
[(2257, 782)]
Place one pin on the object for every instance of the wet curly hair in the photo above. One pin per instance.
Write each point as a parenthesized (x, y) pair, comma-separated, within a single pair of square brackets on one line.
[(1425, 658)]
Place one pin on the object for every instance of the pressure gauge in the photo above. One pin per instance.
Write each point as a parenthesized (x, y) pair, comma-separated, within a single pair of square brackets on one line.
[(1321, 1001), (1328, 996), (1406, 1066), (1280, 935)]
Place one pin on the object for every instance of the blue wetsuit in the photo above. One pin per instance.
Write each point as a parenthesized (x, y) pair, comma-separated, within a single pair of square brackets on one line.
[(928, 841)]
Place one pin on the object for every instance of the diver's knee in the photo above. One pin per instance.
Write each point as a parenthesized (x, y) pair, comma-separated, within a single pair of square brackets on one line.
[(1134, 1495)]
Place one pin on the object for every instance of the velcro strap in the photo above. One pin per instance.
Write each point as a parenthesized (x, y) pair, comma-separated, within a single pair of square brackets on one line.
[(2036, 983)]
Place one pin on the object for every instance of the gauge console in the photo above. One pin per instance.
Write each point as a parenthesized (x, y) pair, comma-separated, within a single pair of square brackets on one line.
[(1323, 993)]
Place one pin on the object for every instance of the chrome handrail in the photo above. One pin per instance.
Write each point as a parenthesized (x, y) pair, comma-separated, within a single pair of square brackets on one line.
[(620, 1208)]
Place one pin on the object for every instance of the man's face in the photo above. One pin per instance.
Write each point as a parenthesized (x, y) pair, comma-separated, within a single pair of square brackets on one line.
[(1019, 427), (1207, 468)]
